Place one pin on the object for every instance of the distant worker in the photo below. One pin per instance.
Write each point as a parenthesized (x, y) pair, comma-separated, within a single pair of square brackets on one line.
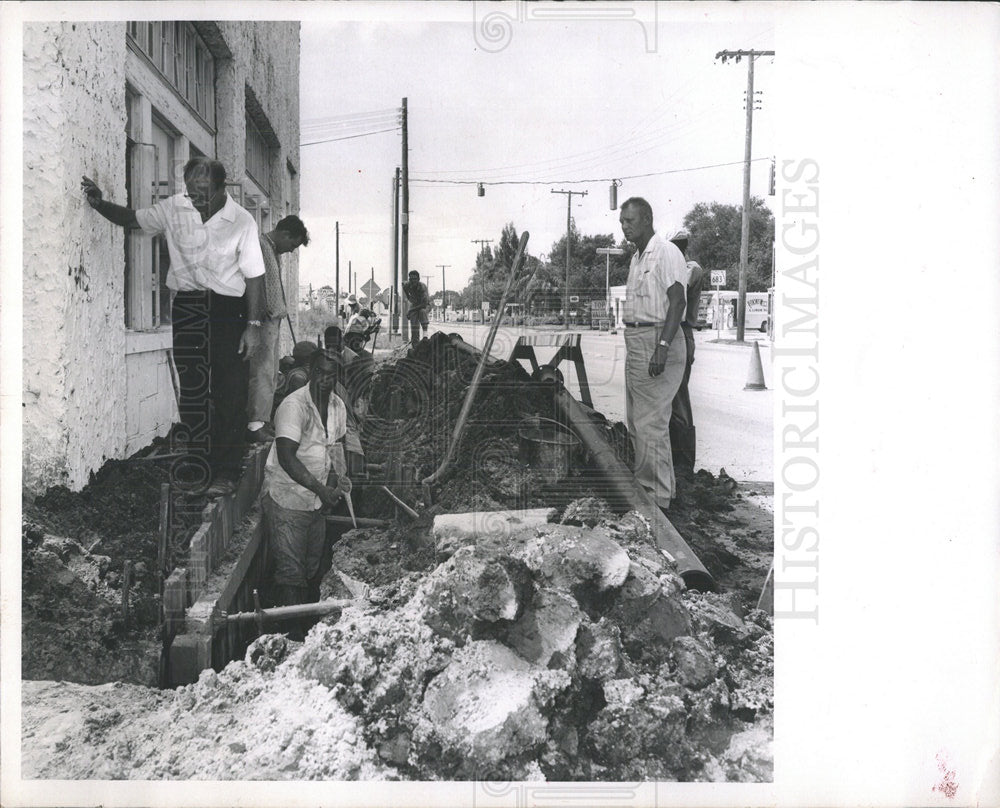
[(294, 371), (305, 473), (362, 324), (216, 275), (682, 432), (418, 303), (288, 235), (355, 403), (654, 358)]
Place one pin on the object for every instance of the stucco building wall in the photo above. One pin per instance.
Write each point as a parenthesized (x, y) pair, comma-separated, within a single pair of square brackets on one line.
[(74, 339), (94, 389)]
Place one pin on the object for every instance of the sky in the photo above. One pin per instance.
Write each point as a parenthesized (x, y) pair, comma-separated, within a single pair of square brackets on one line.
[(564, 99)]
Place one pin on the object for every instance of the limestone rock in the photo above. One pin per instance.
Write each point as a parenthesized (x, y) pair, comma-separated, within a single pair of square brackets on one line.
[(487, 704), (693, 662), (452, 531), (545, 633), (598, 650), (267, 652), (569, 557)]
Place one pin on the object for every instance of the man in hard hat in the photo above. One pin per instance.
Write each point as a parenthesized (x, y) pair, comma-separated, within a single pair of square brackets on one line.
[(682, 432), (217, 276), (418, 301), (305, 473), (655, 297)]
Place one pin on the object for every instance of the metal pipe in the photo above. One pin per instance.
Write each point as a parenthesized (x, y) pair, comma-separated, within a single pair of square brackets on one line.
[(470, 393), (289, 612), (623, 487)]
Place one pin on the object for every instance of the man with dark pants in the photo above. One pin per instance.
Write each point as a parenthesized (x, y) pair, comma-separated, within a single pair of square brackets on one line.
[(305, 473), (654, 357), (682, 432), (288, 235), (418, 302), (215, 260)]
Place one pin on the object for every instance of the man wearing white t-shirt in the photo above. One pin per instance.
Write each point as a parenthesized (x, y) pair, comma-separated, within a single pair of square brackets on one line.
[(217, 276), (655, 352), (305, 471)]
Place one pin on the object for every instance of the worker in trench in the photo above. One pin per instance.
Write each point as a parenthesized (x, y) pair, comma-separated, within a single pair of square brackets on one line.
[(655, 350), (305, 475)]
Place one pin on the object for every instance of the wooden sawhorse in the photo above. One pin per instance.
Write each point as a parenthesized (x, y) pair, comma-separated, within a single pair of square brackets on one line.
[(569, 348)]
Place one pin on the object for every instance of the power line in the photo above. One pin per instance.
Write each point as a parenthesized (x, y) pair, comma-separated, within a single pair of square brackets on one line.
[(595, 179), (348, 137)]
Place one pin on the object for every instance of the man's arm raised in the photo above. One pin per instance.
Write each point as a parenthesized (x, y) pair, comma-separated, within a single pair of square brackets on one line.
[(116, 214)]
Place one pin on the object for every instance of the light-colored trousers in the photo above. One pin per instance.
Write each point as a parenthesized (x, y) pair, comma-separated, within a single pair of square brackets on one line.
[(648, 401), (264, 372)]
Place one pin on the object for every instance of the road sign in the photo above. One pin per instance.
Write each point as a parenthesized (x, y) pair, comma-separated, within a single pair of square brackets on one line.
[(718, 277), (610, 251), (370, 288), (598, 305), (574, 298)]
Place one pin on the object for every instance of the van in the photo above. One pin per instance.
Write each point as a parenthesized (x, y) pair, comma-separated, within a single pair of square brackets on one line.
[(710, 309)]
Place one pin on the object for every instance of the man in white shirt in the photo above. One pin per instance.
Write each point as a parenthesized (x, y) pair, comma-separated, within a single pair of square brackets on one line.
[(217, 277), (305, 472), (654, 355)]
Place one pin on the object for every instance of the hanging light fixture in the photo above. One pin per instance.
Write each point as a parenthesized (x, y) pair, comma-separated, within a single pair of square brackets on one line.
[(480, 190), (613, 193)]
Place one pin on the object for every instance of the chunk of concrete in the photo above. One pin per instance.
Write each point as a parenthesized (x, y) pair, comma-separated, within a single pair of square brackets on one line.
[(487, 704), (545, 633), (454, 530), (568, 557)]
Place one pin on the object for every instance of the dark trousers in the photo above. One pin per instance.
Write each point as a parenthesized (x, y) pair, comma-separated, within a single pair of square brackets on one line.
[(213, 376), (682, 432)]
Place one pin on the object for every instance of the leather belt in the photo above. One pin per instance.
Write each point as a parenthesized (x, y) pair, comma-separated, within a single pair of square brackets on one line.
[(640, 325)]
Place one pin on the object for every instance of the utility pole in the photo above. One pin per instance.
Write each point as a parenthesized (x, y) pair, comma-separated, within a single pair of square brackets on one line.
[(404, 261), (745, 230), (349, 276), (569, 203), (336, 299), (444, 293), (482, 242), (394, 313)]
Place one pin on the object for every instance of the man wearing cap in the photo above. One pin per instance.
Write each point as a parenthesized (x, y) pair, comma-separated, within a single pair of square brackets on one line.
[(305, 473), (654, 356), (418, 302), (682, 432), (287, 236), (217, 276)]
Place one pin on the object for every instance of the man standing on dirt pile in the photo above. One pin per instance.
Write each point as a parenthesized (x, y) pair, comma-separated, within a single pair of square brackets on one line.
[(288, 235), (418, 301), (682, 433), (654, 357), (217, 276), (305, 472)]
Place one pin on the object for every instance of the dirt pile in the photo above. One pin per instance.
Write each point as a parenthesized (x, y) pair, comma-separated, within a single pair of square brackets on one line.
[(558, 651)]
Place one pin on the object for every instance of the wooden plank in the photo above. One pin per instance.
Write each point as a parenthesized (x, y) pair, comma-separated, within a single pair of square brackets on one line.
[(175, 599), (190, 654)]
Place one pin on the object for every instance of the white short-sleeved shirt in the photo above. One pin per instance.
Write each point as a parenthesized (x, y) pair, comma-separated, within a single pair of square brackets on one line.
[(298, 419), (650, 274), (218, 254)]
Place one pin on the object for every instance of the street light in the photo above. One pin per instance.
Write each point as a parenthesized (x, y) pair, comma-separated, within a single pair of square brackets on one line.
[(607, 252)]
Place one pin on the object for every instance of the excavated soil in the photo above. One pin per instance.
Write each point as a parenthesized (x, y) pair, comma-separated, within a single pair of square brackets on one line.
[(617, 674)]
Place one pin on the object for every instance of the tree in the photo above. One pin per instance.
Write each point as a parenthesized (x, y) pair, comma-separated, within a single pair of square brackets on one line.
[(716, 230), (587, 268)]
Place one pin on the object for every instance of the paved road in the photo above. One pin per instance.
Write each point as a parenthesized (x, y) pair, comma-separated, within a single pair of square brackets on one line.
[(735, 426)]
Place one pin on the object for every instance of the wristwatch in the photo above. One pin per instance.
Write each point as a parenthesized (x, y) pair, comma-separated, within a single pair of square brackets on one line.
[(664, 343), (257, 323)]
